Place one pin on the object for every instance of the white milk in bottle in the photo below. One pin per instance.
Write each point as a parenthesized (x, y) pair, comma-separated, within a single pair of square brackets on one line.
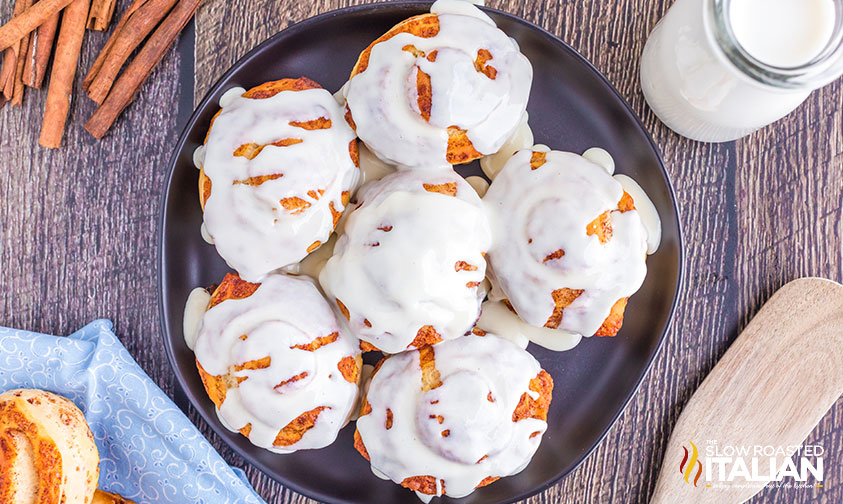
[(717, 70)]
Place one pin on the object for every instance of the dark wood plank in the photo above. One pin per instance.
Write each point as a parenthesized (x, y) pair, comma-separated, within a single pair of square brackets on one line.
[(79, 224), (789, 199)]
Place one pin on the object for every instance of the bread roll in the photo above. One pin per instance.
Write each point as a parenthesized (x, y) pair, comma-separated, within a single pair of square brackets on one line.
[(276, 362), (446, 419), (47, 451), (570, 246), (441, 88), (406, 273)]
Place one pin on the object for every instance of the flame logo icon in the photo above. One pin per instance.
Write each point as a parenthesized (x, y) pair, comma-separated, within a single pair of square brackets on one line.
[(686, 467)]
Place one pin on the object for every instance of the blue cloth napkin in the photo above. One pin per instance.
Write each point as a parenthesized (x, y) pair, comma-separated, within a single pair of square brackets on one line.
[(150, 452)]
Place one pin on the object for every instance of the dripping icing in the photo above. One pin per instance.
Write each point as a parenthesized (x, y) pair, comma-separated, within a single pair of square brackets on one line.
[(283, 313), (261, 224)]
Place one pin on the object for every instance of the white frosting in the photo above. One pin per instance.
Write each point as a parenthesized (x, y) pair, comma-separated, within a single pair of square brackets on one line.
[(422, 497), (600, 157), (497, 318), (646, 210), (383, 99), (249, 224), (396, 266), (230, 96), (194, 309), (472, 369), (339, 96), (479, 184), (527, 207), (198, 156), (461, 7), (314, 262), (521, 138), (203, 230), (371, 167), (283, 313), (365, 377)]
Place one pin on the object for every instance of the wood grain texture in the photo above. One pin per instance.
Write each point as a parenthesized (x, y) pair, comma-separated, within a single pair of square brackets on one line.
[(79, 224), (781, 376), (77, 240)]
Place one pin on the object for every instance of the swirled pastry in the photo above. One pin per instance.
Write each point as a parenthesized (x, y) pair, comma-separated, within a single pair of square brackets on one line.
[(276, 171), (47, 451), (276, 363), (570, 246), (447, 419), (405, 272), (440, 88)]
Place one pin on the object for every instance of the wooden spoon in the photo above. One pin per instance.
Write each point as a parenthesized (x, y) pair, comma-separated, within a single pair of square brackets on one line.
[(771, 388)]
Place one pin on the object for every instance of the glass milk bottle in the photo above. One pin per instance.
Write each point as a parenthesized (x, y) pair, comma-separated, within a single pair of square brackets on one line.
[(717, 70)]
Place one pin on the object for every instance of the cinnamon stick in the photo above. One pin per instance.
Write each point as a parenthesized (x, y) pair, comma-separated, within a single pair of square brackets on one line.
[(40, 50), (136, 4), (7, 74), (32, 18), (132, 79), (100, 14), (68, 47), (136, 24), (11, 57), (23, 48)]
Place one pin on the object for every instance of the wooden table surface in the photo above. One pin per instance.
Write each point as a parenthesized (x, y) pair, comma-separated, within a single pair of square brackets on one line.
[(78, 234)]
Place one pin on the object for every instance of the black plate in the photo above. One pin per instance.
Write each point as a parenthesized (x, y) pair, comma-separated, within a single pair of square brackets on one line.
[(572, 107)]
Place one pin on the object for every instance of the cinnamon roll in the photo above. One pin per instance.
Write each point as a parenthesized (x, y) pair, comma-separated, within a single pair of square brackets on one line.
[(570, 246), (441, 88), (406, 271), (276, 172), (47, 451), (447, 419), (276, 363)]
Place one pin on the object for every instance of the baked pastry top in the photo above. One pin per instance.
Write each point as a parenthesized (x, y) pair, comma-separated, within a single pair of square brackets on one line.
[(439, 89), (572, 246), (406, 271), (447, 419), (276, 363), (47, 451), (276, 172)]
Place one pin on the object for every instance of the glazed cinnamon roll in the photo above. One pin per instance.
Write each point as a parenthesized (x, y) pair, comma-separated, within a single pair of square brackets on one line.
[(406, 271), (440, 88), (277, 169), (570, 245), (276, 363), (447, 419)]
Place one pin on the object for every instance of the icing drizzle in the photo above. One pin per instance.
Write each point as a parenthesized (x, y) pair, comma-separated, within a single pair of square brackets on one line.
[(273, 203), (460, 432), (282, 320), (410, 260), (537, 253), (479, 82)]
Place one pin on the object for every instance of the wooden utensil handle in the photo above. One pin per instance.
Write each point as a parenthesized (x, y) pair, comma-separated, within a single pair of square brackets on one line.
[(771, 388)]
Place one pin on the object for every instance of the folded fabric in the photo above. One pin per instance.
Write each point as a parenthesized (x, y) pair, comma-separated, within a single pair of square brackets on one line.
[(150, 452)]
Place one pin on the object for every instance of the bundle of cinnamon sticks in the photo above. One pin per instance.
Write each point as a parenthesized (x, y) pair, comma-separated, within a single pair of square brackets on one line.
[(36, 32)]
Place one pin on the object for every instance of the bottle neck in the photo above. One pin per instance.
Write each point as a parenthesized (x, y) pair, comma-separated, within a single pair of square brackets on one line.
[(819, 70)]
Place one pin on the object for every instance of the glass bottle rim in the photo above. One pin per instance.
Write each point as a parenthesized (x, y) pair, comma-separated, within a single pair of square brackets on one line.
[(819, 71)]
